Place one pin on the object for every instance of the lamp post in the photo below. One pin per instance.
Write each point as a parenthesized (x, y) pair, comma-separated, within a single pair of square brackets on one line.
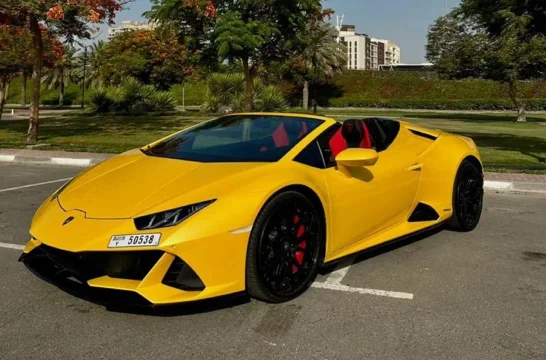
[(83, 80)]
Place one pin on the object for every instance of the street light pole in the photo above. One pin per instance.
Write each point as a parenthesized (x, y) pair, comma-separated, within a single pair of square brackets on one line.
[(83, 81)]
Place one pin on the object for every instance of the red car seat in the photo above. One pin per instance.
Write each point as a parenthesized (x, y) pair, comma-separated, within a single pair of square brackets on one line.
[(353, 134)]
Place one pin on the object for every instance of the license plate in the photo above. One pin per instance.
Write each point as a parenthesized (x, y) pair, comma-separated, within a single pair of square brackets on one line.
[(121, 241)]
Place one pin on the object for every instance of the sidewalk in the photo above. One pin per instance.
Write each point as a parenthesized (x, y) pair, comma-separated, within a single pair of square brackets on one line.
[(493, 181)]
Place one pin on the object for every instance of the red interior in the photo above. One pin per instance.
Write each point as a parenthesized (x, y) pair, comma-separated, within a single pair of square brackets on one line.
[(338, 142)]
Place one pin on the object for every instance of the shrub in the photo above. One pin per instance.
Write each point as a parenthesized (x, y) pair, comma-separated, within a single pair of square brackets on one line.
[(226, 94), (270, 99), (132, 92), (211, 104), (101, 101), (160, 101), (479, 104)]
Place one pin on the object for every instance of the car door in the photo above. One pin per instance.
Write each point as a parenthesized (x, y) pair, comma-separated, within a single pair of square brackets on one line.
[(372, 198)]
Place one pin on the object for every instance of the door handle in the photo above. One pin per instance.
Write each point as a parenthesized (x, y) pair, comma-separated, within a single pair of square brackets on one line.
[(415, 167)]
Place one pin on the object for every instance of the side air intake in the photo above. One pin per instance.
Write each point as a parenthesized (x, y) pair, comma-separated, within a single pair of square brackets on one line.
[(424, 212)]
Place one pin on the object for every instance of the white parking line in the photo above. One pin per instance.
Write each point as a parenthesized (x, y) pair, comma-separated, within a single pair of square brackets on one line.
[(11, 246), (33, 185), (334, 283), (340, 287), (340, 271)]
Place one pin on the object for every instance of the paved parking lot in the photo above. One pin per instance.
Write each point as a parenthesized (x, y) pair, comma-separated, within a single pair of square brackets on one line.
[(461, 296)]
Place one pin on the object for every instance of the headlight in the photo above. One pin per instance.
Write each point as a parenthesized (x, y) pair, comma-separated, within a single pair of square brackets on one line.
[(169, 217)]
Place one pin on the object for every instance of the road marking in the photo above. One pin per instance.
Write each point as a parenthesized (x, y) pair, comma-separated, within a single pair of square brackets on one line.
[(33, 185), (344, 288), (340, 271), (11, 246)]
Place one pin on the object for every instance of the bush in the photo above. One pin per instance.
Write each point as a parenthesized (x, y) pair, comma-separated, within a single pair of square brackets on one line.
[(226, 94), (270, 99), (492, 105), (102, 101), (160, 101)]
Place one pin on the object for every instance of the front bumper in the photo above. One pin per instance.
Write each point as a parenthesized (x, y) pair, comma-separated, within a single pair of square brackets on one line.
[(144, 277)]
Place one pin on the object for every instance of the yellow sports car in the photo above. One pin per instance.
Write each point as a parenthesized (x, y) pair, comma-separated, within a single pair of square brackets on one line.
[(250, 202)]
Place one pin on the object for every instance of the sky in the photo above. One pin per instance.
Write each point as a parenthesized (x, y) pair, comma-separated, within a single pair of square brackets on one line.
[(403, 21)]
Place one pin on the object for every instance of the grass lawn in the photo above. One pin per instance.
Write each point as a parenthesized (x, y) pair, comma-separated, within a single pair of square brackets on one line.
[(502, 142), (103, 134)]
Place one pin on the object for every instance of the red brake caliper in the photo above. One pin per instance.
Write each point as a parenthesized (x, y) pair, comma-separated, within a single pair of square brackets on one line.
[(302, 245)]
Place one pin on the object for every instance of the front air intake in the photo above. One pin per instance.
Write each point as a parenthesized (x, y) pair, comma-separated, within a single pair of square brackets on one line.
[(181, 276)]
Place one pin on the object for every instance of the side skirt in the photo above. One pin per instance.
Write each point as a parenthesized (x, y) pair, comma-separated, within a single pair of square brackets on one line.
[(385, 244)]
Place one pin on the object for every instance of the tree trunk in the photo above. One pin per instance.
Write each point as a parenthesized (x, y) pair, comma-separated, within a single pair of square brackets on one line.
[(61, 90), (24, 90), (38, 51), (306, 95), (518, 102), (2, 94), (249, 71)]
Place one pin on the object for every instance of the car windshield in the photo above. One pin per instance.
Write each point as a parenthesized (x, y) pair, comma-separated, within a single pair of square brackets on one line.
[(237, 138)]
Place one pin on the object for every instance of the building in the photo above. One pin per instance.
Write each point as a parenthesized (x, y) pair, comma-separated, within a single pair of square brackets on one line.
[(128, 26), (365, 52), (389, 52)]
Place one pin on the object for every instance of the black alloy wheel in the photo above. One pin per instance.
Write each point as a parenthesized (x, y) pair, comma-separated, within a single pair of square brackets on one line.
[(467, 197), (284, 248)]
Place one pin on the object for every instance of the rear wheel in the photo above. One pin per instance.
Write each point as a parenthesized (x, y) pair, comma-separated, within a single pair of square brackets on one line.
[(284, 248), (467, 197)]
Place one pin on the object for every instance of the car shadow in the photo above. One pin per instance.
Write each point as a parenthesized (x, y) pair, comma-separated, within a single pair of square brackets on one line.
[(185, 309), (382, 249)]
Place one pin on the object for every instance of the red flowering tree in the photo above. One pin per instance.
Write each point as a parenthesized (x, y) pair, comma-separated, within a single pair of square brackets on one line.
[(252, 32), (62, 18), (16, 54), (153, 57)]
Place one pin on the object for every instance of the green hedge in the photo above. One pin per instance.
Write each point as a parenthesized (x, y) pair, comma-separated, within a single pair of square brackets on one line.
[(391, 85), (532, 105)]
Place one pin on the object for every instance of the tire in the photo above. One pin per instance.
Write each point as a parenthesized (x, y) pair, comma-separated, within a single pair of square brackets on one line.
[(285, 246), (467, 197)]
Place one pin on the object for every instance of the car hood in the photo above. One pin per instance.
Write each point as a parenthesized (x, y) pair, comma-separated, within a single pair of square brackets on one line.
[(132, 183)]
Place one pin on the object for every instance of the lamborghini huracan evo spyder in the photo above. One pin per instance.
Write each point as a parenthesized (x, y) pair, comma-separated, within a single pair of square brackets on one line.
[(250, 202)]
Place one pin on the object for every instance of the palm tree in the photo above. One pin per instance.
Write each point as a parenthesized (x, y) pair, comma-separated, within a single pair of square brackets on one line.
[(58, 76), (323, 55), (93, 62)]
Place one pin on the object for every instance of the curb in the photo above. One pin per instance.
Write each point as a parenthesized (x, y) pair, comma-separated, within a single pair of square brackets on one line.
[(40, 160)]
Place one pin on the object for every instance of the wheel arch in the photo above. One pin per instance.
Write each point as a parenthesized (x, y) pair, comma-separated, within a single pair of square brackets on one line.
[(441, 163), (316, 200)]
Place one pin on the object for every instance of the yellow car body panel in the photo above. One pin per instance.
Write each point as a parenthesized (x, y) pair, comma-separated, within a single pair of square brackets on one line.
[(367, 208)]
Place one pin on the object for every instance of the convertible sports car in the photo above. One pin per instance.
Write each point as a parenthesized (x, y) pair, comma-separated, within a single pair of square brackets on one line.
[(250, 202)]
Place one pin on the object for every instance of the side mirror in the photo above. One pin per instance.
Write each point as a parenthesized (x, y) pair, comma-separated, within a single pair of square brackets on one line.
[(357, 158)]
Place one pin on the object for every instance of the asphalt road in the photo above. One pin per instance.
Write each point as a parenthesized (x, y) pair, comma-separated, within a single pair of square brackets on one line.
[(475, 296)]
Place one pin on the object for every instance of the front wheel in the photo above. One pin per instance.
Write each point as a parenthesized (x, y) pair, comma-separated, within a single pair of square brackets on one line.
[(284, 248), (467, 197)]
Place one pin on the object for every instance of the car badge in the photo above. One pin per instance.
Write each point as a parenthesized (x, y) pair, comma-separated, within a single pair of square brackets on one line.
[(68, 221)]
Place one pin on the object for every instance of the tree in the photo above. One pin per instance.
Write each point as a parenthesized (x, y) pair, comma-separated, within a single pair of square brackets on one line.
[(94, 62), (152, 57), (517, 31), (59, 75), (252, 32), (12, 53), (66, 18), (321, 56), (457, 47)]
